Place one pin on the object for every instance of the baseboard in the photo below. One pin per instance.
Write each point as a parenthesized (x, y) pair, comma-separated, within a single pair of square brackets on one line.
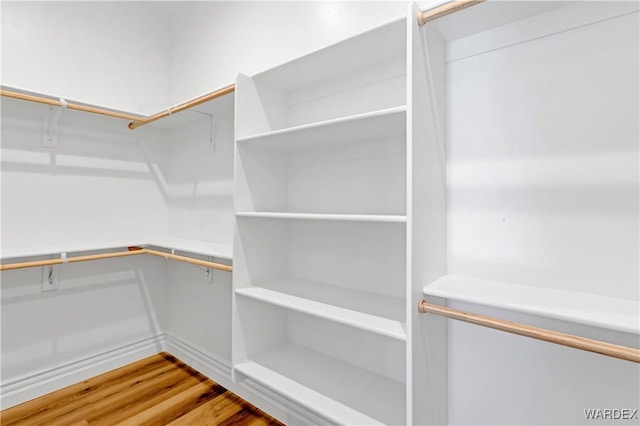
[(216, 369), (34, 385), (295, 414)]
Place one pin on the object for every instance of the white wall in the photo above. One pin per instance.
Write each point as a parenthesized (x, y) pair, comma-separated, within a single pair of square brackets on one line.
[(143, 57), (499, 378), (543, 190), (213, 41), (543, 159), (101, 311), (199, 174), (99, 186), (199, 309), (112, 54)]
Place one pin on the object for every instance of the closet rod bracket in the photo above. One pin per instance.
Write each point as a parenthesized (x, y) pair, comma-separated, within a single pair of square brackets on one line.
[(51, 125)]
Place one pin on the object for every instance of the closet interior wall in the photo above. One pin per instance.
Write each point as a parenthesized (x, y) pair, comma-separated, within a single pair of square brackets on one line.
[(202, 25), (107, 186), (542, 189), (71, 49), (199, 181), (98, 188)]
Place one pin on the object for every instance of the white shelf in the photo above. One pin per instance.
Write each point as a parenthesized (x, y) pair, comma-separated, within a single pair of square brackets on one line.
[(56, 249), (376, 124), (378, 305), (220, 251), (323, 216), (340, 392), (217, 250), (363, 321), (347, 57), (582, 308)]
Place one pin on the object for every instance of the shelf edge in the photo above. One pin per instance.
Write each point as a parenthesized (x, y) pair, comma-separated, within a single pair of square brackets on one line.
[(433, 290), (362, 325)]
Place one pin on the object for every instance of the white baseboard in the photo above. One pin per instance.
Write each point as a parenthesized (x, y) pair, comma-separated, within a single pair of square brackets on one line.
[(216, 369), (34, 385), (294, 414)]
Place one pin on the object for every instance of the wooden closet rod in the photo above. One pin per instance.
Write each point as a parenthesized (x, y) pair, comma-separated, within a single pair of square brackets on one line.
[(135, 120), (445, 9), (131, 252), (35, 263), (70, 105), (599, 347), (186, 105)]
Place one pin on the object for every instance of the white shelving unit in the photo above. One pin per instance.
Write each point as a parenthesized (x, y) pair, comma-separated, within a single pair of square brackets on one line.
[(321, 215), (323, 288)]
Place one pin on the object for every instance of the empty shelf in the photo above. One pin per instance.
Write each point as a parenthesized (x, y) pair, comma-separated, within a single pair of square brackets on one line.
[(323, 216), (367, 322), (338, 391), (217, 250), (55, 250), (582, 308), (379, 305), (370, 125)]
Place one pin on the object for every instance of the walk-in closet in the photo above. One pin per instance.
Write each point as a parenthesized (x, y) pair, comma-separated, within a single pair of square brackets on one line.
[(354, 213)]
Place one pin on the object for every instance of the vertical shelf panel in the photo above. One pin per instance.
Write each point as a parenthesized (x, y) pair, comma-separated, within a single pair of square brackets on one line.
[(426, 219)]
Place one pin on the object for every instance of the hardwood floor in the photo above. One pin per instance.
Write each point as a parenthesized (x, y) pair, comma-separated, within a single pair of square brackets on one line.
[(158, 390)]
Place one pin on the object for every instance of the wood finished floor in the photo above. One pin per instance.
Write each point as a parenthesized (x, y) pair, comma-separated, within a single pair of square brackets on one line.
[(159, 390)]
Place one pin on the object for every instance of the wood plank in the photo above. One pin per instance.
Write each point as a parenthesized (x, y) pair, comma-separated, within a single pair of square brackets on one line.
[(136, 404), (245, 417), (157, 390), (211, 412), (150, 391), (70, 393), (82, 406)]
